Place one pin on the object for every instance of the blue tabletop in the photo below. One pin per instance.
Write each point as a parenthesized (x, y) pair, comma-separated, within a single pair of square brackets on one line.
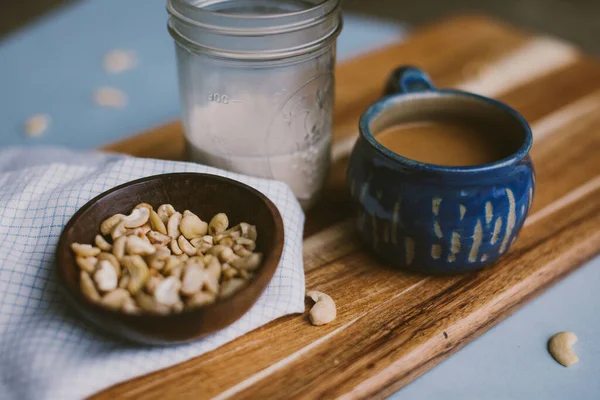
[(53, 67)]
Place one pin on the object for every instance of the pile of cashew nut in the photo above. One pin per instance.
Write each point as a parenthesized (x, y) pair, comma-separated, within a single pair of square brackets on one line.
[(164, 261)]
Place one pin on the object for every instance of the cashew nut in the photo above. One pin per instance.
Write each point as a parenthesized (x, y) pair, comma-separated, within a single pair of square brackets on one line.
[(175, 248), (226, 235), (202, 244), (234, 232), (218, 224), (37, 124), (229, 272), (178, 307), (193, 277), (87, 264), (102, 244), (211, 284), (109, 223), (215, 250), (226, 241), (162, 252), (153, 282), (137, 218), (249, 263), (149, 303), (158, 238), (138, 271), (170, 263), (173, 225), (112, 97), (245, 274), (560, 347), (252, 233), (230, 287), (242, 228), (248, 231), (183, 257), (213, 269), (177, 271), (206, 239), (118, 230), (143, 230), (87, 286), (194, 260), (130, 307), (248, 244), (85, 250), (186, 246), (191, 226), (324, 311), (119, 247), (115, 299), (124, 281), (118, 61), (136, 245), (210, 274), (158, 259), (112, 259), (201, 299), (167, 292), (227, 255), (145, 205), (241, 250), (105, 276), (139, 232), (164, 212), (157, 224)]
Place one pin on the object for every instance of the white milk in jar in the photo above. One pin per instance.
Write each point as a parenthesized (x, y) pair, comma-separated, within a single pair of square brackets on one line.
[(256, 84)]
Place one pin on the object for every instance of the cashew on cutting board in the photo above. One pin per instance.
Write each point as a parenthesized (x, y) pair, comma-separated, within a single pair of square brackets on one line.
[(560, 348), (324, 311)]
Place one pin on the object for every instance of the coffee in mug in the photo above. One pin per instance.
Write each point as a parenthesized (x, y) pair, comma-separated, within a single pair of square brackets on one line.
[(449, 143)]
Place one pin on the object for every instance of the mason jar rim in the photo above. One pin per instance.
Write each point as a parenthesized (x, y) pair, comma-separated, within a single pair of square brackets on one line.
[(322, 4), (271, 36), (228, 23)]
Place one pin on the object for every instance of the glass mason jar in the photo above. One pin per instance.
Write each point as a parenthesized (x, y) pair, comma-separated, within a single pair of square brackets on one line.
[(256, 84)]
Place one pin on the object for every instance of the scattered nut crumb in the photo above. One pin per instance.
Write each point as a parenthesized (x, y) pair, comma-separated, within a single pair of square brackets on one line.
[(117, 61), (110, 97), (560, 348), (37, 124)]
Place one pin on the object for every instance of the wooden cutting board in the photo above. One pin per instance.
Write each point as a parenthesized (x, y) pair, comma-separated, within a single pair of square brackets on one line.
[(394, 326)]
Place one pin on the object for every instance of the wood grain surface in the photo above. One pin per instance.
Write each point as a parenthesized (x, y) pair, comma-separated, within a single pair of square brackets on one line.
[(394, 326)]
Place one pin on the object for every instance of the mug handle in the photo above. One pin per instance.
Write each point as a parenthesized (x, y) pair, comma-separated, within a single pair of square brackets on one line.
[(408, 79)]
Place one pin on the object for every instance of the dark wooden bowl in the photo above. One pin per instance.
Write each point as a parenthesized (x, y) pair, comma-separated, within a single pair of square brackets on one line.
[(203, 194)]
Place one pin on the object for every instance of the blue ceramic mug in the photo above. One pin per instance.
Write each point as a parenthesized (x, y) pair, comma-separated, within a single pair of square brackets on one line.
[(432, 218)]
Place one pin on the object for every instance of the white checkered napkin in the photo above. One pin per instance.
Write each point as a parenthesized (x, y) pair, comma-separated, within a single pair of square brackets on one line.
[(47, 351)]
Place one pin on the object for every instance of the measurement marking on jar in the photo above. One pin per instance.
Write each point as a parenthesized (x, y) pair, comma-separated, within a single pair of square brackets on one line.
[(221, 98)]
